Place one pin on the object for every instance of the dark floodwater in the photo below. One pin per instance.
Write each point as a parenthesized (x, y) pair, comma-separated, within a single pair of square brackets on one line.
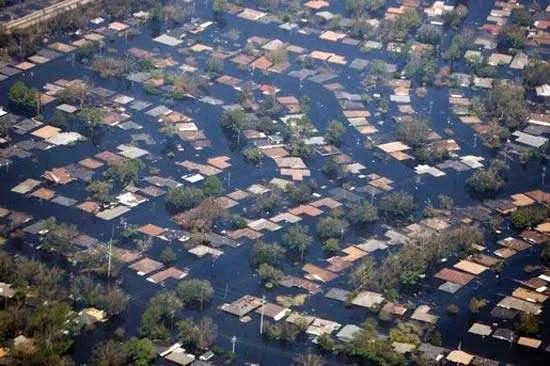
[(231, 275)]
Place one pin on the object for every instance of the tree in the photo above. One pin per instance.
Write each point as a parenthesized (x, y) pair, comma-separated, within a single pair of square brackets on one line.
[(58, 236), (113, 301), (50, 326), (521, 17), (60, 119), (45, 281), (403, 24), (139, 351), (290, 332), (356, 7), (297, 238), (421, 67), (414, 133), (364, 275), (270, 274), (400, 204), (219, 5), (536, 73), (545, 254), (332, 169), (235, 120), (458, 45), (487, 181), (277, 56), (265, 253), (183, 198), (506, 104), (378, 72), (331, 246), (183, 85), (75, 92), (445, 201), (366, 346), (529, 216), (412, 262), (130, 232), (300, 193), (168, 256), (512, 37), (305, 105), (195, 291), (12, 319), (334, 132), (213, 186), (109, 67), (363, 214), (200, 335), (252, 154), (201, 218), (436, 339), (325, 342), (100, 191), (429, 33), (214, 64), (126, 172), (160, 310), (93, 116), (453, 309), (300, 148), (528, 324), (454, 17), (273, 332), (309, 360), (24, 97), (7, 267), (330, 227), (406, 332), (156, 13), (475, 304), (110, 353)]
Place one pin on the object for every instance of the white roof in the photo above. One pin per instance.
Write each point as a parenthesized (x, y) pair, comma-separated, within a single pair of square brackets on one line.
[(530, 140), (543, 90), (168, 40), (65, 138)]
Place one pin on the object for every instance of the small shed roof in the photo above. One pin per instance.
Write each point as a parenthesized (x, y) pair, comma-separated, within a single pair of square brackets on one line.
[(461, 357), (368, 299), (480, 329)]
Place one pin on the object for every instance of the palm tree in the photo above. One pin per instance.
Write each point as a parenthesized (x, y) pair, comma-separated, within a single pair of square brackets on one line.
[(309, 359)]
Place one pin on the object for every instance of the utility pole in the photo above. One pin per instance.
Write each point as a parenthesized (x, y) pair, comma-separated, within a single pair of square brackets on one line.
[(233, 342), (109, 263), (262, 316), (110, 254), (506, 151)]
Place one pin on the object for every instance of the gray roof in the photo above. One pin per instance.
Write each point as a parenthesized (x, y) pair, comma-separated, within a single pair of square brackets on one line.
[(530, 140)]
